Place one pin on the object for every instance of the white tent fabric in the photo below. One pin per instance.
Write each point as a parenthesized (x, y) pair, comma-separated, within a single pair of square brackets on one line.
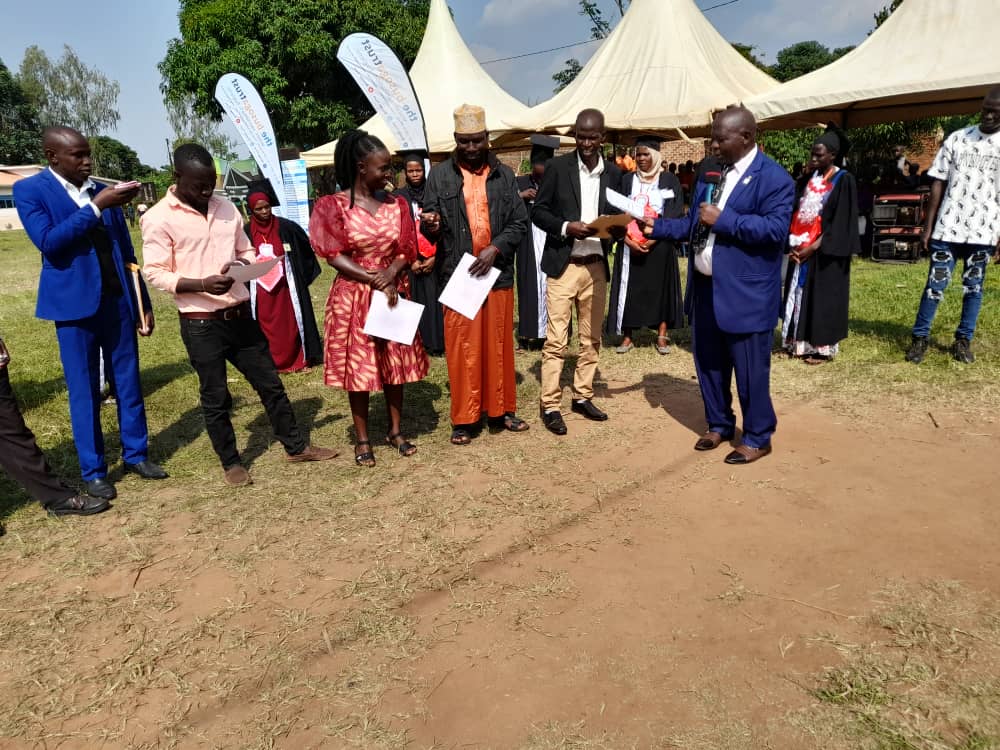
[(663, 67), (931, 57), (445, 75)]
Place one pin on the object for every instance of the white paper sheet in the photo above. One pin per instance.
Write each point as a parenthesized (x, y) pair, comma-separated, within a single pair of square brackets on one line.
[(243, 274), (624, 203), (465, 293), (397, 323)]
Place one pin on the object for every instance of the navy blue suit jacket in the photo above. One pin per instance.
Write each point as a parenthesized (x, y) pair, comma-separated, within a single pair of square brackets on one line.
[(69, 287), (750, 237)]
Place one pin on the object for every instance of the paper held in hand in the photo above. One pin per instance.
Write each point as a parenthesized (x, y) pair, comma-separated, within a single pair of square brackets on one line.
[(397, 323), (603, 224), (466, 293), (633, 208), (243, 274)]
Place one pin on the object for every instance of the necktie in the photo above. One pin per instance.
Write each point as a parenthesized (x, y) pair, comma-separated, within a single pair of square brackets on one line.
[(702, 231)]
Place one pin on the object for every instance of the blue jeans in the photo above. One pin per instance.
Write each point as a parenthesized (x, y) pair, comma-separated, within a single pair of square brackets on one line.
[(944, 255)]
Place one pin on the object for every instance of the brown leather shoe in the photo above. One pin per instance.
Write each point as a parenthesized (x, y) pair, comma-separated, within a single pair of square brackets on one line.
[(744, 454), (237, 476), (311, 453), (710, 441)]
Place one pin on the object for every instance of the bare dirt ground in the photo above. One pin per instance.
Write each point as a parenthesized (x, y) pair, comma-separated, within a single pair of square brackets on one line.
[(611, 589)]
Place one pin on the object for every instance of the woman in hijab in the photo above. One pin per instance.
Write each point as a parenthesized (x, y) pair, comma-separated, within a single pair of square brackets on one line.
[(423, 280), (280, 298), (821, 241), (646, 284)]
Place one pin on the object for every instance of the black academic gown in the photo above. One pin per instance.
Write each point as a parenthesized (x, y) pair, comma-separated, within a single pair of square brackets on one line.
[(424, 290), (652, 293), (826, 295), (530, 300), (305, 270)]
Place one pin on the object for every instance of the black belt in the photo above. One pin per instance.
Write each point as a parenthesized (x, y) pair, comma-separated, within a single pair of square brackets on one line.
[(585, 260), (237, 312)]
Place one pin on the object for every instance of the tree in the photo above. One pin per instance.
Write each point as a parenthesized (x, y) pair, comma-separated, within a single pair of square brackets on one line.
[(115, 160), (749, 54), (882, 15), (288, 51), (68, 92), (599, 28), (802, 58), (19, 131), (194, 128), (565, 76)]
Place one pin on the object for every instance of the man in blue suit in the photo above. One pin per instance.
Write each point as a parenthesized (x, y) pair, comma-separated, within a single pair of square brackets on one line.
[(737, 235), (86, 289)]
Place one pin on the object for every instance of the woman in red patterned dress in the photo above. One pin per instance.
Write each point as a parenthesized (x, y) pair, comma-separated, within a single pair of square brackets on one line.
[(370, 238)]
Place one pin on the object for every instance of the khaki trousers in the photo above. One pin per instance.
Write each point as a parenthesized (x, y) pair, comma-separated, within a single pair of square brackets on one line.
[(585, 288)]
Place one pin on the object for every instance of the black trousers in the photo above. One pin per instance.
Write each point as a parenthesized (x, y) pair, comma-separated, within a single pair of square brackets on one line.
[(19, 453), (210, 344)]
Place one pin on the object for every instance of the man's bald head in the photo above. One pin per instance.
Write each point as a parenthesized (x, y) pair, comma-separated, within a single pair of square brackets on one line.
[(589, 134), (68, 153), (60, 134), (734, 134), (590, 119)]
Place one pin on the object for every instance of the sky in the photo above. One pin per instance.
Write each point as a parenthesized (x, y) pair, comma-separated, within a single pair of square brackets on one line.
[(125, 39)]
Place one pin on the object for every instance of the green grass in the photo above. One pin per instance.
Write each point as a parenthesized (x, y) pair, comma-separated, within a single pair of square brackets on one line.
[(191, 597)]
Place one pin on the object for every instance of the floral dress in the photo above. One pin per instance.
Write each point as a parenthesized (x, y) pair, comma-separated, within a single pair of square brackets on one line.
[(354, 360)]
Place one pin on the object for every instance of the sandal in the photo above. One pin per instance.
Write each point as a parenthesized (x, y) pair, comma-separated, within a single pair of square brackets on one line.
[(460, 436), (364, 459), (508, 422), (665, 348), (400, 443), (815, 359)]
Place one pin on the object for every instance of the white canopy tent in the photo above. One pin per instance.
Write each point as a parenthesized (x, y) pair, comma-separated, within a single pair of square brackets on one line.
[(931, 57), (664, 67), (445, 75)]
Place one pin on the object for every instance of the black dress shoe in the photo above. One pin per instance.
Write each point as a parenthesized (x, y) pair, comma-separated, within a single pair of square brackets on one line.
[(587, 409), (554, 422), (146, 470), (100, 488), (744, 454), (78, 505)]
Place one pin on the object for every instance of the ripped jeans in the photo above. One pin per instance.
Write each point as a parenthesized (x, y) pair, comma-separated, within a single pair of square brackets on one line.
[(944, 256)]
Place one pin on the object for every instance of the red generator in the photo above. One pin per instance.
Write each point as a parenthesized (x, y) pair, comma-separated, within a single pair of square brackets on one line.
[(897, 222)]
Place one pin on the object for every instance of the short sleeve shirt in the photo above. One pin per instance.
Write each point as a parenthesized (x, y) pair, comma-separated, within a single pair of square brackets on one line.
[(969, 161)]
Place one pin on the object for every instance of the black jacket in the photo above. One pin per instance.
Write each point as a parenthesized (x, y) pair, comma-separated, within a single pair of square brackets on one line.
[(558, 201), (508, 217)]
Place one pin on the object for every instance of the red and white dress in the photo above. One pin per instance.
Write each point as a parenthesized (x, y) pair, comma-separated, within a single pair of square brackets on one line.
[(354, 360)]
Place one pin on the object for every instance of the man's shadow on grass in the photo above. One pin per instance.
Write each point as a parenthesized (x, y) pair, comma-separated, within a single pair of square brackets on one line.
[(680, 398), (32, 394)]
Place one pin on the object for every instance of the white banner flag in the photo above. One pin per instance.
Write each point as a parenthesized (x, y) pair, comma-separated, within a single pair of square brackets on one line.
[(383, 79), (245, 109)]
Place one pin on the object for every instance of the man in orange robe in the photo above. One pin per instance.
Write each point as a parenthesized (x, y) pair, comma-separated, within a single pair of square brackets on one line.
[(471, 205)]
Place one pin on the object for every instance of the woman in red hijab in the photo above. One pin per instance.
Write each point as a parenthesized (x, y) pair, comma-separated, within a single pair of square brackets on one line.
[(280, 298)]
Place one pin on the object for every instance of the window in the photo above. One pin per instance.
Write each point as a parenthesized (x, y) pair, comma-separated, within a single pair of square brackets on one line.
[(6, 202)]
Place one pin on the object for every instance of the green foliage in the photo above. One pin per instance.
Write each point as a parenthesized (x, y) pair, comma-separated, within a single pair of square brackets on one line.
[(115, 160), (600, 27), (788, 146), (287, 49), (68, 92), (19, 142), (747, 50), (566, 76), (882, 15), (802, 58), (190, 127)]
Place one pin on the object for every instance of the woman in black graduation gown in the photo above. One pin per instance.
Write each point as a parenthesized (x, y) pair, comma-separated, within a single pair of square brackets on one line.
[(646, 284), (423, 282), (822, 239), (532, 318)]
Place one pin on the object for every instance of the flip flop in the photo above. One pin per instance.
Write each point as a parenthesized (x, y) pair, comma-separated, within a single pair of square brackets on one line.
[(460, 436), (665, 348), (624, 348)]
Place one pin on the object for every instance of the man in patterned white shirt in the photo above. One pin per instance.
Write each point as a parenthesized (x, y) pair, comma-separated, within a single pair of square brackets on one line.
[(963, 222)]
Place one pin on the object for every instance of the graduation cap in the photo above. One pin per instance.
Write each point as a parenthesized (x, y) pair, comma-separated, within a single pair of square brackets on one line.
[(413, 155), (263, 186), (649, 141), (543, 147), (835, 140)]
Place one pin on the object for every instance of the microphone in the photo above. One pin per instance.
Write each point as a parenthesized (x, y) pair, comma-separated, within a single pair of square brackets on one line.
[(713, 180)]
